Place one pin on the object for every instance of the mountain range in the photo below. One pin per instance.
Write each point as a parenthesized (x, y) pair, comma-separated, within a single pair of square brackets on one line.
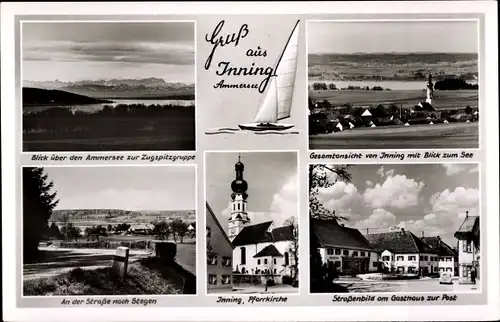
[(153, 88)]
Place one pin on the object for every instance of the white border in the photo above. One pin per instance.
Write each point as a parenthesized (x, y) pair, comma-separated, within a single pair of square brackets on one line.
[(301, 256), (10, 160), (21, 84), (155, 296)]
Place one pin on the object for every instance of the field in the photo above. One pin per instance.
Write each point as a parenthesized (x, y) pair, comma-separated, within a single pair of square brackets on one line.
[(425, 136), (406, 98)]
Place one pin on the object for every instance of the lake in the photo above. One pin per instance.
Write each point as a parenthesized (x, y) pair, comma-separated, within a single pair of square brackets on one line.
[(393, 85), (92, 108)]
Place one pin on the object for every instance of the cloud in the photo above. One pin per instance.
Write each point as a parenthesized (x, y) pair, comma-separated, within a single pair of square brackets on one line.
[(123, 52), (456, 168), (382, 173), (456, 202), (380, 218), (397, 191), (339, 197), (285, 202)]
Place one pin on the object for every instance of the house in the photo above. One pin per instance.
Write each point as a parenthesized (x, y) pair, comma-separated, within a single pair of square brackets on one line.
[(265, 250), (446, 255), (468, 248), (219, 256), (343, 248), (403, 252)]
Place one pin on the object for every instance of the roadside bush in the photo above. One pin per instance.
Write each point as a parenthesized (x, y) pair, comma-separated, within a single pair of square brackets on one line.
[(106, 244), (270, 282), (287, 279)]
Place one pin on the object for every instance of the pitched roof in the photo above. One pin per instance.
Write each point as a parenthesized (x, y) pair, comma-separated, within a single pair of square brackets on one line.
[(400, 242), (269, 250), (211, 213), (331, 234), (468, 224), (440, 246), (282, 233), (259, 234), (469, 229)]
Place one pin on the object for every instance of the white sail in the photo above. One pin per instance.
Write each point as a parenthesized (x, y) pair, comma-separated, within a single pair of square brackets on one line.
[(268, 110), (285, 72)]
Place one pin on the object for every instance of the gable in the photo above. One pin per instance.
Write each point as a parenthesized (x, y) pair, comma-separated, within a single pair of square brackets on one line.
[(219, 241)]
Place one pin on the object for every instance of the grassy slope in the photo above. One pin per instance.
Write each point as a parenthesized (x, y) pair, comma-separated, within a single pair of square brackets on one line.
[(147, 276), (409, 98)]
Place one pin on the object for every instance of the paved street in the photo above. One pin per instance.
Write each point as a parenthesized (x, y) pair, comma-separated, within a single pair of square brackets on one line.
[(423, 285)]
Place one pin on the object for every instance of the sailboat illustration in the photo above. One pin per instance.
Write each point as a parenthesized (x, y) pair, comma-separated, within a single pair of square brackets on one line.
[(276, 103)]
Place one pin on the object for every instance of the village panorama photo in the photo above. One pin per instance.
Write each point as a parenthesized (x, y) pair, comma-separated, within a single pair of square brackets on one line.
[(252, 222), (401, 84), (394, 228), (109, 230)]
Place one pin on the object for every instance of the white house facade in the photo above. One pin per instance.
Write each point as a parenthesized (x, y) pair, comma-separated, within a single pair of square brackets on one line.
[(468, 236), (447, 256)]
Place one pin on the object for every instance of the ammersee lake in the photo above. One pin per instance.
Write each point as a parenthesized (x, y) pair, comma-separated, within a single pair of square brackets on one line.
[(392, 85), (93, 108)]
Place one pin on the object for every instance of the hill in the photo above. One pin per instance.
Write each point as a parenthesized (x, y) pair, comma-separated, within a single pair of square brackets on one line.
[(120, 215), (392, 66), (38, 96), (146, 88)]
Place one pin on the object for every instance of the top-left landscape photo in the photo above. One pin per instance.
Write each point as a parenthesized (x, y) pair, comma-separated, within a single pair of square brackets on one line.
[(108, 86)]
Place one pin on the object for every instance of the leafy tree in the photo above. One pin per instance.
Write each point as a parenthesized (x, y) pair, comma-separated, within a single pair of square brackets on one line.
[(54, 231), (320, 177), (468, 110), (70, 232), (38, 203), (179, 229), (110, 228), (293, 248), (332, 86), (161, 230)]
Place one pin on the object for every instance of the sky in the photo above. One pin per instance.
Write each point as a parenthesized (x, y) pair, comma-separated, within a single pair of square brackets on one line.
[(72, 51), (432, 198), (272, 185), (398, 36), (127, 188)]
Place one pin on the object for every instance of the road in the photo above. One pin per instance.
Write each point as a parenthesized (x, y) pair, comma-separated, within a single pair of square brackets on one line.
[(423, 285), (424, 136), (54, 261)]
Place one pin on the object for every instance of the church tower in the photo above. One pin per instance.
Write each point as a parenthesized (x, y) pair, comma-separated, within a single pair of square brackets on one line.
[(430, 90), (238, 205)]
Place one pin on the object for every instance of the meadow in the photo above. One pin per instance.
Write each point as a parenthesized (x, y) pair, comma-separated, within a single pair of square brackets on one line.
[(458, 99)]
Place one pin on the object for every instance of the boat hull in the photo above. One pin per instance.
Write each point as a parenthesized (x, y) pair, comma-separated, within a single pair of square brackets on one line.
[(265, 127)]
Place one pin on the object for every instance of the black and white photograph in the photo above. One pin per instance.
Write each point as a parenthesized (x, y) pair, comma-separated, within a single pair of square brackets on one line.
[(109, 230), (108, 86), (393, 84), (394, 228), (252, 222)]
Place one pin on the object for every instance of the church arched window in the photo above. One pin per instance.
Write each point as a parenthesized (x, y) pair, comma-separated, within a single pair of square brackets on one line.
[(287, 259), (238, 206), (243, 256)]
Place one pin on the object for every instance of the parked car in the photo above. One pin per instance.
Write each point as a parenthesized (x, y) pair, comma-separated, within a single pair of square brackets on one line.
[(445, 278)]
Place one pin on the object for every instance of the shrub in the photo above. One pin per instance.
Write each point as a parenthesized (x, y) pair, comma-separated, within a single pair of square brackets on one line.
[(287, 279), (270, 282)]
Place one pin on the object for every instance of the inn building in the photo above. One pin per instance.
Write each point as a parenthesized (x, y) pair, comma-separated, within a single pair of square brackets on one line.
[(447, 256), (344, 249)]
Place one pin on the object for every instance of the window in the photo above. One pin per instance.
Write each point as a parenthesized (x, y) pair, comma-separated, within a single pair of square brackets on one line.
[(337, 251), (212, 259), (449, 259), (425, 258), (448, 269), (435, 269), (258, 262), (386, 258), (274, 271), (375, 264), (226, 279), (345, 252), (265, 261), (238, 206), (465, 271), (287, 259), (400, 258), (412, 258), (329, 251), (226, 261), (212, 279), (362, 254), (274, 261), (467, 246), (441, 259), (411, 269), (441, 269), (243, 256), (337, 264), (354, 254)]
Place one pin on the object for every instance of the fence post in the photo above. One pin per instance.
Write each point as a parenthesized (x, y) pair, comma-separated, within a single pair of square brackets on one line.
[(120, 262)]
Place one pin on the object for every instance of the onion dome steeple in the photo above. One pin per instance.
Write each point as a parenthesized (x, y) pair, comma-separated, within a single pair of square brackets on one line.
[(239, 185)]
